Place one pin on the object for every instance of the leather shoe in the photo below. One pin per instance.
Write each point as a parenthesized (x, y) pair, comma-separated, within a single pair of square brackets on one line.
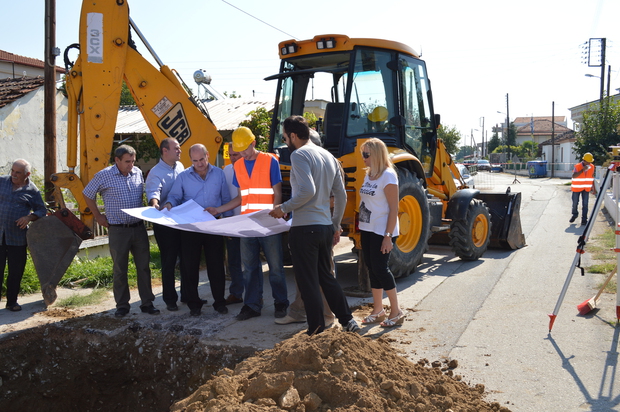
[(120, 312), (247, 313), (194, 312), (172, 307), (584, 222), (573, 218), (151, 310), (232, 299), (13, 308), (288, 319), (222, 310)]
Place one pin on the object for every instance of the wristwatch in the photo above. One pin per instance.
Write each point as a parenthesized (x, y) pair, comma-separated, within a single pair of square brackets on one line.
[(388, 234)]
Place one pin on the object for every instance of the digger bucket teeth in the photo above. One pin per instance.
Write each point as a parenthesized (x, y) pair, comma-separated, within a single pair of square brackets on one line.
[(52, 245), (506, 232)]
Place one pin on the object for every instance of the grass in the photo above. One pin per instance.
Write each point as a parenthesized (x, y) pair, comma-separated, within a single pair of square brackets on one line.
[(93, 298), (87, 273), (601, 248)]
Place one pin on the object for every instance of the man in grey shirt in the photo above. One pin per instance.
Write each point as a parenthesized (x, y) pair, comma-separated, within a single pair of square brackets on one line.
[(314, 176)]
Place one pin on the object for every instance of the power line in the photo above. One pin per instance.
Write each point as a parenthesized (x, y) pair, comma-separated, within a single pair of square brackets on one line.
[(254, 17)]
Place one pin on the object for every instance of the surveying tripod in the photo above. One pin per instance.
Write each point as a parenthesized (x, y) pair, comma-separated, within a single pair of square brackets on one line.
[(613, 169)]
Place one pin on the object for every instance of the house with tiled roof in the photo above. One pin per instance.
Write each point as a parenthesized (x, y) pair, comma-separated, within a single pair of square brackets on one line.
[(15, 66), (538, 129), (21, 123)]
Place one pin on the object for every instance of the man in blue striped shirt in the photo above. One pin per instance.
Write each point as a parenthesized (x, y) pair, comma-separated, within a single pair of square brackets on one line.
[(206, 185), (159, 181), (18, 197), (121, 186)]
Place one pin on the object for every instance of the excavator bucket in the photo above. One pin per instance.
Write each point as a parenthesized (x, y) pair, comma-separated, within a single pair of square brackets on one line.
[(506, 232), (52, 245)]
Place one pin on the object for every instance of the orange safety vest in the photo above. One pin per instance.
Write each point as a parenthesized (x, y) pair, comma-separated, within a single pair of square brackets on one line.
[(583, 181), (256, 190)]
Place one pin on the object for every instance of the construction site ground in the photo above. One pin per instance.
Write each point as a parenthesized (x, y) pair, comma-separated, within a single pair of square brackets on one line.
[(483, 323)]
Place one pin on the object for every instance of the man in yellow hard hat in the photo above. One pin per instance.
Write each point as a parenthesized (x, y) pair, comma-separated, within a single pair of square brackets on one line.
[(581, 185), (258, 177)]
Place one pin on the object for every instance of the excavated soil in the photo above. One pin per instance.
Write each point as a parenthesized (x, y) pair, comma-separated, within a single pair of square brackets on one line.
[(96, 363), (336, 371)]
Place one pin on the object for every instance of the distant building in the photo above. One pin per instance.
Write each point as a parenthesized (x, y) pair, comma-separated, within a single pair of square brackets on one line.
[(21, 123), (15, 66), (539, 129)]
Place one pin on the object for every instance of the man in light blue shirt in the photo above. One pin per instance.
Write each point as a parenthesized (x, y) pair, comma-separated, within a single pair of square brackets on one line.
[(159, 181), (206, 185)]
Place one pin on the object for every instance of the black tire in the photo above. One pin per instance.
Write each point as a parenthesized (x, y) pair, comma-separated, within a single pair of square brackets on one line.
[(470, 237), (414, 223)]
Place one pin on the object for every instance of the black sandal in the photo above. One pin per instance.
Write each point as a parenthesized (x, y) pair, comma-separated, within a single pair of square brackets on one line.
[(14, 308)]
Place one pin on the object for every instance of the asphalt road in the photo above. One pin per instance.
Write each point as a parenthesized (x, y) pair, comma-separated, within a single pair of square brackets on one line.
[(491, 315)]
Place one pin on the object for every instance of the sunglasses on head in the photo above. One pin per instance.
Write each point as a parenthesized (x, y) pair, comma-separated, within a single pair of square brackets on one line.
[(365, 155)]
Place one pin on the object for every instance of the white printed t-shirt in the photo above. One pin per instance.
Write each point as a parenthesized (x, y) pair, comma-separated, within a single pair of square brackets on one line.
[(374, 209)]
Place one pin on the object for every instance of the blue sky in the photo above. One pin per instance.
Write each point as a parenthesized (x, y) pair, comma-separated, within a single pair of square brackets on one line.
[(476, 51)]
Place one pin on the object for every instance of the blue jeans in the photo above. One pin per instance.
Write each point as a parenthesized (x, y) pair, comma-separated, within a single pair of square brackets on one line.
[(584, 203), (253, 273), (233, 250)]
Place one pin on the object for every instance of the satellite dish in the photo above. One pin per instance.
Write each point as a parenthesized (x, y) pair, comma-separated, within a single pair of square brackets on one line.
[(200, 76)]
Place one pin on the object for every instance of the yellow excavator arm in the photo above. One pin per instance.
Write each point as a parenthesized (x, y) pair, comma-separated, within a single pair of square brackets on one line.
[(107, 57)]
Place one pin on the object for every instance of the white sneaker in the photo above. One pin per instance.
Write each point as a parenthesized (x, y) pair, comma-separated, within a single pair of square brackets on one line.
[(288, 319), (352, 326)]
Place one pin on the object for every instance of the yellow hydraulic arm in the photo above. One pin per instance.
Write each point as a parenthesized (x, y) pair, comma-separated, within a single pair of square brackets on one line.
[(107, 57)]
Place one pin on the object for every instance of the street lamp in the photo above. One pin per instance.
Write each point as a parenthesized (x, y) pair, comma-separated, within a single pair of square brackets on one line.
[(602, 81)]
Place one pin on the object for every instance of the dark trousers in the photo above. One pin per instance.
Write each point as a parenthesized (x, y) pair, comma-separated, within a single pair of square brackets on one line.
[(192, 245), (169, 242), (376, 261), (311, 251), (584, 195), (16, 255), (123, 240)]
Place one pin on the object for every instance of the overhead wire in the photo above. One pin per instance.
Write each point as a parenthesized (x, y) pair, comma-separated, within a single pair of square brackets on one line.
[(264, 22)]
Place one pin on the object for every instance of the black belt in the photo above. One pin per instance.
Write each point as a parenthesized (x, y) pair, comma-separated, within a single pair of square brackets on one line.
[(129, 225)]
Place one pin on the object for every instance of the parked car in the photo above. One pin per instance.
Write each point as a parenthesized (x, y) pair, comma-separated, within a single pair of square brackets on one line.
[(466, 175), (484, 165), (497, 167)]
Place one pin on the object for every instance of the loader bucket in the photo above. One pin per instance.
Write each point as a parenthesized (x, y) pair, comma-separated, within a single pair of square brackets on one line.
[(52, 245), (506, 232)]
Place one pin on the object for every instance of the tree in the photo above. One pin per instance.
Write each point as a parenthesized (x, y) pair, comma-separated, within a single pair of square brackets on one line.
[(259, 123), (527, 151), (126, 97), (599, 129), (493, 143), (451, 138), (232, 95)]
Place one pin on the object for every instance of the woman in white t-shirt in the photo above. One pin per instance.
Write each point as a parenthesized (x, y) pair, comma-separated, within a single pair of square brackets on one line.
[(378, 223)]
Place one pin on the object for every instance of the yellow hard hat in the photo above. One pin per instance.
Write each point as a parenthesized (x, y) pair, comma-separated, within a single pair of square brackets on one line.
[(379, 114), (242, 137), (588, 157)]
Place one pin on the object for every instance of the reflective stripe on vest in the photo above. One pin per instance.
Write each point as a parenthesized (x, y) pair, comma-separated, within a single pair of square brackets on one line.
[(256, 191), (584, 181)]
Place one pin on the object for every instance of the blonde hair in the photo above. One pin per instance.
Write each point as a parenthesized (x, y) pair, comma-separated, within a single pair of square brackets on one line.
[(379, 157)]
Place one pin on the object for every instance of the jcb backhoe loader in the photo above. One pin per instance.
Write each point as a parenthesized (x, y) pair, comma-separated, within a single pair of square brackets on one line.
[(379, 88), (107, 57)]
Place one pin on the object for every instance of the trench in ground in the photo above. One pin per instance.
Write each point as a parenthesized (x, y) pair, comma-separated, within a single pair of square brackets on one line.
[(134, 368)]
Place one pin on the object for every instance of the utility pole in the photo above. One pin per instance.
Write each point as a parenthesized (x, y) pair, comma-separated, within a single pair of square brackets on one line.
[(552, 138), (49, 107), (482, 137), (603, 47), (507, 125)]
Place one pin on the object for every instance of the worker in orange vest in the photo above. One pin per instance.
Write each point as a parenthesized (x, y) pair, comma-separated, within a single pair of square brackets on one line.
[(259, 180), (581, 185)]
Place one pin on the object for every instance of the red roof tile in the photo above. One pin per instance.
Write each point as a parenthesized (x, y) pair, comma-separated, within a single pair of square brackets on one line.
[(13, 89)]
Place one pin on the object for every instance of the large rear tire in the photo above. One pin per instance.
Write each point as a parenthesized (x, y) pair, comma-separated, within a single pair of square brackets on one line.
[(414, 224), (470, 237)]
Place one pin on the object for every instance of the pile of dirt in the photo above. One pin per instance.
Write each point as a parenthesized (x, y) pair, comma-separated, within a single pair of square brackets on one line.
[(336, 371)]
